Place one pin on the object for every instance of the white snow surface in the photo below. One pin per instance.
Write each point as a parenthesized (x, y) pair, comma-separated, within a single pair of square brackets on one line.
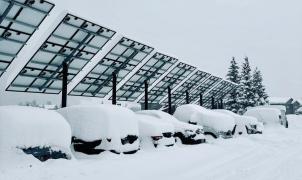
[(24, 127), (275, 155), (269, 116), (179, 126), (205, 117)]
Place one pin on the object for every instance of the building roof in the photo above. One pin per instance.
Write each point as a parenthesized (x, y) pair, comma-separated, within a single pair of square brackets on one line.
[(280, 100)]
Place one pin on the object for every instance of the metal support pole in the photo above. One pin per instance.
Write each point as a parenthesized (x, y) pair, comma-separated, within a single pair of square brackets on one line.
[(200, 100), (146, 95), (221, 104), (213, 103), (64, 84), (187, 97), (114, 88), (169, 101)]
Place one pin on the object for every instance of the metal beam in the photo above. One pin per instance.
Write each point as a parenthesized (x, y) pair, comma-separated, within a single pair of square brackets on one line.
[(169, 101), (146, 95), (64, 84), (114, 88)]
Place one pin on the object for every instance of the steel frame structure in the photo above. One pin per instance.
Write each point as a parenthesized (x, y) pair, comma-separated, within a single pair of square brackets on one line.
[(74, 41), (17, 26), (120, 60)]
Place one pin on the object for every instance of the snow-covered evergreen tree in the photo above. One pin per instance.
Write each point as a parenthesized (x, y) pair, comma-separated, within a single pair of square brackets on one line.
[(258, 88), (245, 90), (231, 102)]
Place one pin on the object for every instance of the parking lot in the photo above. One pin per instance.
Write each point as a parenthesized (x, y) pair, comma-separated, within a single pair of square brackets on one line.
[(276, 154)]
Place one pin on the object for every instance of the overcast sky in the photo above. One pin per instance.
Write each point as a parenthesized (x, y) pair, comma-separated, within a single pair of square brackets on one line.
[(207, 33)]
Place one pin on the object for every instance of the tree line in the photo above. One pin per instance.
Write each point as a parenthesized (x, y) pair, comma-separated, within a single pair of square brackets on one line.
[(251, 91)]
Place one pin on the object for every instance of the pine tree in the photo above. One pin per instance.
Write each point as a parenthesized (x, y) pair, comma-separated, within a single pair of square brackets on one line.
[(258, 88), (245, 90), (231, 102)]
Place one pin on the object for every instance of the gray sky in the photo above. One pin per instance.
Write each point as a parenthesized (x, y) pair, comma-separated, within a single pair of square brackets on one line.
[(207, 33)]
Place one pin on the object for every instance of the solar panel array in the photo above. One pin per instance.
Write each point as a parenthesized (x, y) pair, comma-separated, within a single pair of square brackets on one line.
[(155, 67), (75, 41), (121, 59), (179, 95), (172, 79), (202, 88), (17, 26), (218, 92)]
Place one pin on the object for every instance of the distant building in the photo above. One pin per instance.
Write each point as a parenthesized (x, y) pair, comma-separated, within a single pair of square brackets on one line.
[(283, 101), (297, 105)]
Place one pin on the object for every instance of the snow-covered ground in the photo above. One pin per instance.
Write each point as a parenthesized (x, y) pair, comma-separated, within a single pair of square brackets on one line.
[(275, 155)]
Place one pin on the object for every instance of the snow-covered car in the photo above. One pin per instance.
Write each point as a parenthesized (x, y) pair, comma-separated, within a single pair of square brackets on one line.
[(42, 133), (245, 124), (98, 128), (186, 133), (268, 115), (153, 130), (214, 123)]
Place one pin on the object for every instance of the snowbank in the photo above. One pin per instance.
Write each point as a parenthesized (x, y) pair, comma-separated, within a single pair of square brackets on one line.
[(201, 116), (95, 122), (25, 127), (269, 116)]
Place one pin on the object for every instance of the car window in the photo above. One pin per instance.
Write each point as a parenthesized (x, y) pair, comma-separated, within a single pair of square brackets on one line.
[(45, 153)]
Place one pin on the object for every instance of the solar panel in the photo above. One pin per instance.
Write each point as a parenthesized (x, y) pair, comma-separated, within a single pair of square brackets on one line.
[(202, 88), (17, 25), (172, 79), (75, 41), (180, 93), (218, 92), (156, 66), (121, 59)]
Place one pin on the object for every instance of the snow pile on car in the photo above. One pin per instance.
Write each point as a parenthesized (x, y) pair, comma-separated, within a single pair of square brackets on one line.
[(179, 126), (95, 122), (269, 116), (27, 127), (196, 114)]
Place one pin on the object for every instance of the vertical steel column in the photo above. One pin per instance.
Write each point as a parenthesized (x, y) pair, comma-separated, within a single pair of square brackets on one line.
[(169, 101), (64, 84), (146, 95), (221, 104), (187, 97), (200, 100), (114, 88), (213, 102)]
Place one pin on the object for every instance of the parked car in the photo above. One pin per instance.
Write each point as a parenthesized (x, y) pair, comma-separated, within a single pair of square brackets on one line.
[(153, 130), (214, 123), (42, 133), (268, 115), (186, 133), (245, 124), (98, 128)]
